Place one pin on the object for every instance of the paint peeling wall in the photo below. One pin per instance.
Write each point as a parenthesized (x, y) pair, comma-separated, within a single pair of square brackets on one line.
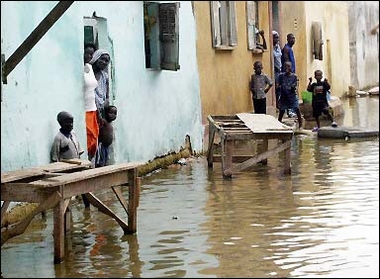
[(297, 17), (156, 109), (225, 75), (364, 44)]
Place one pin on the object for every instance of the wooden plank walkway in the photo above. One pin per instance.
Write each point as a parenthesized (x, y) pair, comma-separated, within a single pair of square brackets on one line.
[(245, 127), (52, 187)]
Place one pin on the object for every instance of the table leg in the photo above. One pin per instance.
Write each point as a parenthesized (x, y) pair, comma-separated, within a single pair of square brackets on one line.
[(264, 149), (59, 231), (133, 200), (287, 163), (229, 150)]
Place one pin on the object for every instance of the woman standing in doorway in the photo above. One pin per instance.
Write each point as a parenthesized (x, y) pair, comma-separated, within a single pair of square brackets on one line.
[(89, 85), (99, 62)]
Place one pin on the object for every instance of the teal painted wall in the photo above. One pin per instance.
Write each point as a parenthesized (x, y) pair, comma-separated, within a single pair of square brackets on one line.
[(156, 109)]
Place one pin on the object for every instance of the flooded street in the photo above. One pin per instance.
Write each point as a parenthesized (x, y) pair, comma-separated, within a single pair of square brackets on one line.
[(322, 221)]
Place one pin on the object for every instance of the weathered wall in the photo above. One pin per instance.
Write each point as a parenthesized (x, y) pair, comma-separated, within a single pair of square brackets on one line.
[(297, 17), (224, 75), (364, 44), (156, 109)]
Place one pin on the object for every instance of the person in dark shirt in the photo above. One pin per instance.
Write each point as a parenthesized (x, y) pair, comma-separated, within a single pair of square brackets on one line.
[(319, 101), (65, 144), (287, 84)]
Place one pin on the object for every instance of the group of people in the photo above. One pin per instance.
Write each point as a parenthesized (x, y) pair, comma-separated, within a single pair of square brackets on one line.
[(286, 85), (99, 114)]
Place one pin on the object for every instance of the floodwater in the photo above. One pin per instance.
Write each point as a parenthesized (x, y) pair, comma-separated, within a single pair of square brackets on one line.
[(321, 222)]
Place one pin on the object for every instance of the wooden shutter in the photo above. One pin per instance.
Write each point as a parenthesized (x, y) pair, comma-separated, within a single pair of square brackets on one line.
[(317, 40), (251, 24), (169, 37), (215, 23), (232, 25)]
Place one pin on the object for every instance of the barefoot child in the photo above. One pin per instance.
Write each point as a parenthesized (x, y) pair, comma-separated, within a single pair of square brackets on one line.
[(105, 136), (319, 100)]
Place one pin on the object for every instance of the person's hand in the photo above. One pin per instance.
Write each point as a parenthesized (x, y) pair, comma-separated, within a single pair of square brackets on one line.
[(326, 80), (261, 32), (310, 79)]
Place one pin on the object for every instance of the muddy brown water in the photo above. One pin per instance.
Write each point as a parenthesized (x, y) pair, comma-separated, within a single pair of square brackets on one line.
[(321, 222)]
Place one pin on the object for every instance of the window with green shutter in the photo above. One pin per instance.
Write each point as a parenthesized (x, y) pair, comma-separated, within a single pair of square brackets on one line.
[(161, 36)]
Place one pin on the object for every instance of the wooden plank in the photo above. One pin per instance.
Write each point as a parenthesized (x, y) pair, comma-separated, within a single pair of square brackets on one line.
[(224, 117), (20, 174), (243, 137), (94, 184), (4, 208), (86, 175), (43, 170), (106, 210), (19, 227), (235, 158), (120, 197), (24, 192), (258, 158), (263, 123), (68, 165)]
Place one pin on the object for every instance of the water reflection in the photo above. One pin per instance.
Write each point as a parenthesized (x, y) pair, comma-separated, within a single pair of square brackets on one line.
[(322, 221)]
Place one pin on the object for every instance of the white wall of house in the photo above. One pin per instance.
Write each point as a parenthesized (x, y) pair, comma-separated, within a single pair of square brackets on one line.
[(156, 109)]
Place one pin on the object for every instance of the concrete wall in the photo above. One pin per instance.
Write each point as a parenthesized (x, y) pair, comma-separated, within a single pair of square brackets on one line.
[(297, 17), (364, 45), (156, 109), (224, 74)]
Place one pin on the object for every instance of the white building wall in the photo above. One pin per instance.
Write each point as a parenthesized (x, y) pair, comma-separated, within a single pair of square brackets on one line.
[(156, 109)]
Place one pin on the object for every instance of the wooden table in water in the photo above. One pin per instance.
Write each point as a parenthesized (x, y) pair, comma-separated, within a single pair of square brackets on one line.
[(52, 187), (245, 127)]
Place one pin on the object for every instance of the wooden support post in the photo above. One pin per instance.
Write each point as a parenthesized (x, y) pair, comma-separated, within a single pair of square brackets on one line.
[(264, 149), (59, 231), (67, 210), (228, 158), (4, 208), (287, 163), (133, 201), (210, 151)]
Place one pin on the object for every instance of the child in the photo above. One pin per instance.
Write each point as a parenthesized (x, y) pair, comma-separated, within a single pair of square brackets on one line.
[(105, 136), (287, 87), (65, 144), (259, 86), (319, 98)]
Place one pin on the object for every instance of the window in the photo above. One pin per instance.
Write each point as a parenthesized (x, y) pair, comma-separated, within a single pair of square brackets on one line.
[(254, 38), (161, 36), (223, 24), (91, 31)]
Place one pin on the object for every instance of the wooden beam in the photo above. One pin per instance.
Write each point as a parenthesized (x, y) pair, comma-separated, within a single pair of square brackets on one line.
[(106, 210), (20, 227), (258, 158), (34, 37)]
